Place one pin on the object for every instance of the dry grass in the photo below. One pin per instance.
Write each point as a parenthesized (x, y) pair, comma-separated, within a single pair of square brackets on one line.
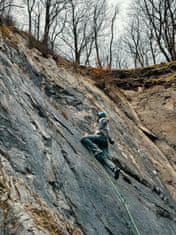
[(34, 43), (7, 29), (162, 74), (44, 50), (51, 222), (6, 32), (9, 36)]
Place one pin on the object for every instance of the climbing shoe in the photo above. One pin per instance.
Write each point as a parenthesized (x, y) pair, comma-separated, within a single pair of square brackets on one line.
[(116, 172)]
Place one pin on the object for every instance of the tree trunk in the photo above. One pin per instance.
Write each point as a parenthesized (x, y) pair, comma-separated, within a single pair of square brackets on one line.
[(47, 23), (112, 38)]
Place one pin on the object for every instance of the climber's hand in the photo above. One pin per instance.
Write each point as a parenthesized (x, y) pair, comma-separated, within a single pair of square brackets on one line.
[(111, 141)]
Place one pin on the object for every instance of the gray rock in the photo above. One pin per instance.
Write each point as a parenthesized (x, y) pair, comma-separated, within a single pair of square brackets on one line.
[(46, 174)]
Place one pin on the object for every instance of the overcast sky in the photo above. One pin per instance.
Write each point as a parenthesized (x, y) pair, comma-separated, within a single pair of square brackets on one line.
[(124, 5), (123, 14)]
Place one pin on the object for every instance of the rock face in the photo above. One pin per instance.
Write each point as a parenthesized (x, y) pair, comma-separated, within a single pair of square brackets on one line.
[(157, 111), (49, 184)]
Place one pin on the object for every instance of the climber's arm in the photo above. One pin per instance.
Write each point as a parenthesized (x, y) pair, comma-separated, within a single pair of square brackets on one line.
[(105, 129)]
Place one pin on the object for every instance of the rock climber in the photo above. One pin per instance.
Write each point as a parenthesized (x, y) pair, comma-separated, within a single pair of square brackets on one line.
[(98, 143)]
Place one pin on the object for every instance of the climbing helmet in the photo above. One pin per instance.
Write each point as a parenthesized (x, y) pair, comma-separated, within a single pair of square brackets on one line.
[(101, 114)]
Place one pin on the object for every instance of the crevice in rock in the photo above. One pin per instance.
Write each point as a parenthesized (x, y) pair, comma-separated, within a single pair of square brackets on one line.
[(42, 113), (151, 136), (72, 147), (62, 124), (64, 96), (160, 210), (65, 155), (109, 231), (142, 181), (129, 172), (164, 213)]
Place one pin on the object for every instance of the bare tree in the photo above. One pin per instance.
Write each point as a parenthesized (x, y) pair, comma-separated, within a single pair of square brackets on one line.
[(57, 29), (78, 35), (135, 43), (30, 7), (6, 6), (112, 37), (75, 20), (37, 20), (160, 17), (52, 10), (99, 16), (121, 59), (140, 40), (89, 49), (81, 28)]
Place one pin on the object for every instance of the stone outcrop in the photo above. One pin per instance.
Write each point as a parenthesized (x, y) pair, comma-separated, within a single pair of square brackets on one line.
[(49, 184)]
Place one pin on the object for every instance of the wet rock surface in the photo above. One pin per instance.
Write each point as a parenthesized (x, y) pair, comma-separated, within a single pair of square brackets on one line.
[(49, 184)]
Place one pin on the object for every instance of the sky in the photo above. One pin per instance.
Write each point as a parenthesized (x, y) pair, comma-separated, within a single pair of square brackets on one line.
[(124, 5)]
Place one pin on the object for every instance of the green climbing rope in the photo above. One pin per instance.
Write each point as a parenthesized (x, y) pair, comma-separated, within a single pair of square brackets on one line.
[(136, 231)]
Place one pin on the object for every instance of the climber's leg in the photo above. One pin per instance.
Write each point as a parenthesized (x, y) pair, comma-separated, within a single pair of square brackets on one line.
[(109, 164), (98, 144), (91, 142)]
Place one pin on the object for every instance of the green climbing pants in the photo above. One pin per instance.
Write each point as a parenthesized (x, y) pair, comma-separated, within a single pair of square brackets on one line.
[(98, 144)]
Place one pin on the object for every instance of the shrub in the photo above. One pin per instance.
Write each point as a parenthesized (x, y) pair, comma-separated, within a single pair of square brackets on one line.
[(9, 36), (7, 20), (6, 32), (34, 43)]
